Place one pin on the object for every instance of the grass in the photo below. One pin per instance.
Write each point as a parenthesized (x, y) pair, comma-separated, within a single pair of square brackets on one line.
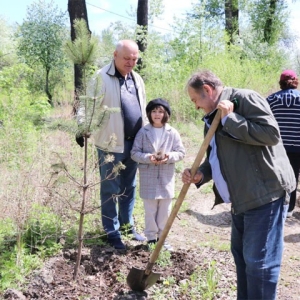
[(202, 284), (215, 243), (207, 188), (44, 211)]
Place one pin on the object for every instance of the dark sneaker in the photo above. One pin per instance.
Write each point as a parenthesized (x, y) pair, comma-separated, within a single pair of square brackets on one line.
[(116, 243), (152, 242)]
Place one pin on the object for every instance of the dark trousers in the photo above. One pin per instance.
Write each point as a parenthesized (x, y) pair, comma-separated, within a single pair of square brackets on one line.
[(295, 163), (117, 191)]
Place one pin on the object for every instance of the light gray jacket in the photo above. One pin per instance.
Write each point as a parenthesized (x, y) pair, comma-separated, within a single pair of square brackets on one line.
[(252, 158), (157, 182), (112, 98)]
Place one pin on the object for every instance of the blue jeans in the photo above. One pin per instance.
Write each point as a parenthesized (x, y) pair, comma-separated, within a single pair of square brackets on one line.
[(257, 248), (118, 193)]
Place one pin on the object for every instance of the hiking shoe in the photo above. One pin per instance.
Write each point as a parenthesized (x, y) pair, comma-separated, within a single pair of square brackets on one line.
[(135, 236), (168, 247), (116, 243), (289, 214)]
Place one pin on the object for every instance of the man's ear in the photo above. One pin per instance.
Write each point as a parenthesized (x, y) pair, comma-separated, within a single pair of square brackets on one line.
[(207, 89)]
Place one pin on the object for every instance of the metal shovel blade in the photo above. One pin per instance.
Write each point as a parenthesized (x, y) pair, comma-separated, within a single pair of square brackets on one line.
[(139, 281)]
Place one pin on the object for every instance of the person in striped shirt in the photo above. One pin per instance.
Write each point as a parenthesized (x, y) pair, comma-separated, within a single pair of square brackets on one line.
[(285, 105)]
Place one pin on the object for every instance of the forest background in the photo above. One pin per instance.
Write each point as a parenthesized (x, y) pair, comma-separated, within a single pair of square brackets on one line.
[(246, 43)]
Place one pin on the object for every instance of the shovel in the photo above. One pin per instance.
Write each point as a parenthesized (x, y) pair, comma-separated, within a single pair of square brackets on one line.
[(139, 279)]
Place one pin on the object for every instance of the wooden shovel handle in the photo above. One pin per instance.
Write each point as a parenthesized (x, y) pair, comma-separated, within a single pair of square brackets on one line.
[(183, 192)]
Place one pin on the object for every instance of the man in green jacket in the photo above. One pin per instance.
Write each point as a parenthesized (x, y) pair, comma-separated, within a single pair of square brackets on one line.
[(250, 169)]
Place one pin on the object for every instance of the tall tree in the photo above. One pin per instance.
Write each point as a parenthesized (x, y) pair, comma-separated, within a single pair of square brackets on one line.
[(212, 10), (232, 19), (41, 38), (77, 10), (268, 19), (142, 22)]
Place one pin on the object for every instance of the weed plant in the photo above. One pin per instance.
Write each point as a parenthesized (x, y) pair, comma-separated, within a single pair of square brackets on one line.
[(164, 257), (202, 284)]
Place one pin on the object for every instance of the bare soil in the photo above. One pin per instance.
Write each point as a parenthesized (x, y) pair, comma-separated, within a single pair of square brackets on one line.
[(198, 236)]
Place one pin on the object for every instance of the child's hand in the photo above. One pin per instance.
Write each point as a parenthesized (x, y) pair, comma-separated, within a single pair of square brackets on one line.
[(154, 160), (164, 160)]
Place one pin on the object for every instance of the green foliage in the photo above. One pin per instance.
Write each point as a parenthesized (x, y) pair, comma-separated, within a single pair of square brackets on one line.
[(12, 274), (7, 234), (170, 280), (13, 79), (215, 243), (184, 206), (106, 47), (207, 188), (268, 19), (121, 277), (7, 45), (65, 125), (39, 242), (42, 230), (164, 257), (40, 40), (202, 283), (42, 34), (156, 9), (244, 73), (95, 113), (82, 51), (20, 111)]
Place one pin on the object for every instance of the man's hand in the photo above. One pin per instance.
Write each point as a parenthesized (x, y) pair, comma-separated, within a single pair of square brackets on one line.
[(79, 140), (186, 176), (226, 107)]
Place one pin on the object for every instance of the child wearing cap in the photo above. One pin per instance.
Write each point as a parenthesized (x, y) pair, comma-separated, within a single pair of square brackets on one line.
[(157, 147), (285, 105)]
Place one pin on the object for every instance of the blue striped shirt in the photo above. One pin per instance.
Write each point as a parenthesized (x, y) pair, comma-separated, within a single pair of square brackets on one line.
[(285, 105)]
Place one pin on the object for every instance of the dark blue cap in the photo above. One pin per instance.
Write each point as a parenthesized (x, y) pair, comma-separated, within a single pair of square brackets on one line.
[(158, 102)]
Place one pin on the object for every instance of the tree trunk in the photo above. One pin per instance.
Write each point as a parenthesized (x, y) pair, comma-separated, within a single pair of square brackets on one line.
[(268, 28), (47, 88), (77, 10), (231, 19), (142, 21)]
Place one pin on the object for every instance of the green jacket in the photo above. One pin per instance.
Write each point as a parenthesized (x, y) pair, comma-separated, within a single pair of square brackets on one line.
[(252, 158)]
